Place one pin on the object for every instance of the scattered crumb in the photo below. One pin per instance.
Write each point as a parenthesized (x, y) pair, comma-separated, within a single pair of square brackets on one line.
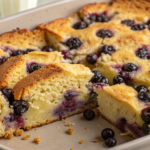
[(59, 130), (127, 133), (64, 121), (70, 131), (81, 142), (26, 137), (57, 127), (96, 141), (69, 124), (36, 140), (18, 132), (35, 129), (87, 128), (71, 149)]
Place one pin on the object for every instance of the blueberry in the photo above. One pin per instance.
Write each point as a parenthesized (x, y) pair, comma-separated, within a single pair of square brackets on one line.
[(107, 133), (89, 114), (16, 53), (128, 22), (92, 18), (146, 128), (146, 114), (73, 43), (104, 80), (66, 54), (90, 88), (106, 50), (110, 142), (102, 18), (34, 67), (29, 50), (141, 88), (130, 67), (91, 58), (70, 95), (4, 59), (97, 76), (104, 34), (7, 92), (20, 106), (137, 27), (118, 79), (80, 25), (144, 96), (47, 49), (142, 52)]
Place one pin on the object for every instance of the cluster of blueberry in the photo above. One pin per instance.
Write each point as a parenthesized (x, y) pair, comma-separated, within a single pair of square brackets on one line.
[(124, 75), (19, 106), (92, 58), (19, 52), (107, 134), (144, 96)]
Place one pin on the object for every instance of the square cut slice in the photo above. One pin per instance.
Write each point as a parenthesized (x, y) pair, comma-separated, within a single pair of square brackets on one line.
[(119, 104), (54, 92), (111, 66), (22, 39), (18, 67)]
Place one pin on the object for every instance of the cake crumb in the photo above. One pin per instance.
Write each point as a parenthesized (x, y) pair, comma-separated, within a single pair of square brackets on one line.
[(69, 124), (64, 121), (87, 128), (71, 149), (18, 132), (36, 140), (96, 141), (35, 129), (70, 131), (57, 127), (81, 142), (26, 137)]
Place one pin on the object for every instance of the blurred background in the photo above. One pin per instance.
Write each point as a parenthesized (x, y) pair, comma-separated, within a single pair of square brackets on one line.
[(8, 7)]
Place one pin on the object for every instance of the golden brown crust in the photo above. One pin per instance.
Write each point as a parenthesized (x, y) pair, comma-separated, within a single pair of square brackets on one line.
[(10, 63), (23, 39), (18, 132), (41, 74)]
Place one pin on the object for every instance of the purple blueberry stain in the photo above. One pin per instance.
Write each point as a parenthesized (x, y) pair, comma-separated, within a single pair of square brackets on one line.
[(13, 121), (136, 130), (100, 85), (7, 49), (71, 102)]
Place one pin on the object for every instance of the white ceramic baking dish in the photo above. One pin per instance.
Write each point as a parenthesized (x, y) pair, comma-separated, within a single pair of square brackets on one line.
[(51, 137)]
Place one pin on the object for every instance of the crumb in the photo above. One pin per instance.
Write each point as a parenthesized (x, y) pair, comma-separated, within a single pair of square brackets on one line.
[(26, 137), (81, 142), (35, 129), (64, 121), (71, 149), (87, 128), (59, 130), (70, 131), (36, 140), (57, 127), (69, 124), (96, 141), (18, 132)]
